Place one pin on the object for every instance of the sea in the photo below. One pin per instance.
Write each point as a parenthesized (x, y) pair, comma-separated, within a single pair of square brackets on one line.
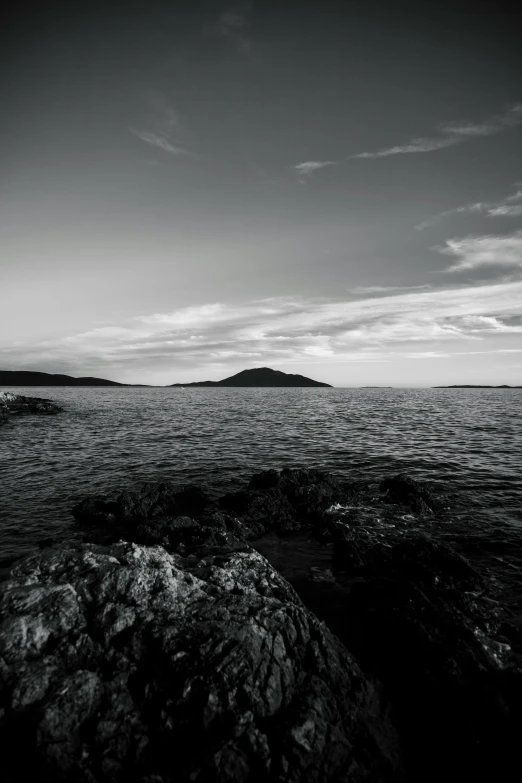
[(466, 442)]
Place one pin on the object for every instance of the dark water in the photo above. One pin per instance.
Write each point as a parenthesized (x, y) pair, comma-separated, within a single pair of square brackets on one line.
[(466, 441)]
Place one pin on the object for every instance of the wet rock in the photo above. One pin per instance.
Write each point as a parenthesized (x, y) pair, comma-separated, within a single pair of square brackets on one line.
[(407, 491), (182, 533), (125, 663), (17, 404), (45, 542), (419, 617), (283, 501), (179, 518), (148, 505)]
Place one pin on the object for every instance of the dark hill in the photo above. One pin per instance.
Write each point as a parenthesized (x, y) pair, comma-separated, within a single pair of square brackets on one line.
[(475, 386), (260, 376), (27, 378)]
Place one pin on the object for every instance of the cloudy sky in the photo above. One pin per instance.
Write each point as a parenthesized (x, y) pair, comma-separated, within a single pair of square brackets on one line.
[(192, 188)]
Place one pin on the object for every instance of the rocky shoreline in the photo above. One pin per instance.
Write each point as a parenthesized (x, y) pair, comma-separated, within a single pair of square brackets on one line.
[(17, 405), (167, 648)]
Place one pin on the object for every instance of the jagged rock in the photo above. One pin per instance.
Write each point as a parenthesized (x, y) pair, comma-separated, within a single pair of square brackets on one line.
[(419, 617), (181, 533), (280, 501), (284, 501), (125, 663), (149, 505), (409, 492), (17, 404)]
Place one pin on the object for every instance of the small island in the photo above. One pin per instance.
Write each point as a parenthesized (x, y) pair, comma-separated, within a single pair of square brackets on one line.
[(476, 386), (259, 377)]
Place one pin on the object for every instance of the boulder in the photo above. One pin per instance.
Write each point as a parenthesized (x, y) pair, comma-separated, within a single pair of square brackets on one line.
[(17, 404), (407, 491), (125, 663)]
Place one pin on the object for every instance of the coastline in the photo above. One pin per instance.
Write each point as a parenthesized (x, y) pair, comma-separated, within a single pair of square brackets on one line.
[(395, 656), (413, 620)]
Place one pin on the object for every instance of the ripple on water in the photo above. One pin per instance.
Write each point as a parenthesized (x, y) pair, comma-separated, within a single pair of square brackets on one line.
[(110, 438)]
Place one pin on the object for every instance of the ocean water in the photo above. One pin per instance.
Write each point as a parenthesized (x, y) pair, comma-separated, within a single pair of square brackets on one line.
[(467, 442)]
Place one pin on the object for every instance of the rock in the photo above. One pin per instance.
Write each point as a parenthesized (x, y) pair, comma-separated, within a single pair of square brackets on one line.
[(125, 663), (406, 491), (283, 501), (145, 503), (17, 404), (45, 542), (181, 533), (179, 518), (418, 616)]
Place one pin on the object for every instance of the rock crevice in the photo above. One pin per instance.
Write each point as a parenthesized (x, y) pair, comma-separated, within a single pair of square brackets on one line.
[(127, 663)]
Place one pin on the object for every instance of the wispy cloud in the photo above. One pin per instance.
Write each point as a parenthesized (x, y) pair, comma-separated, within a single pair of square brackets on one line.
[(164, 129), (309, 167), (478, 251), (453, 133), (283, 330), (161, 142), (232, 25), (506, 207), (387, 289), (415, 145)]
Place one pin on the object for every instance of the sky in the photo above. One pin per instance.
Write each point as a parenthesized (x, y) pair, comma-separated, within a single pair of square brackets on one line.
[(190, 189)]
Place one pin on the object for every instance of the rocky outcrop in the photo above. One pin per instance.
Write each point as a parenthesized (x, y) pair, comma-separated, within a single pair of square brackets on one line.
[(148, 501), (160, 513), (404, 490), (280, 501), (125, 663), (17, 404), (284, 501), (419, 617)]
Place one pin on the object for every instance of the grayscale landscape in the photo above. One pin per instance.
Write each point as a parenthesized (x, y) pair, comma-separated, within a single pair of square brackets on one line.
[(260, 392)]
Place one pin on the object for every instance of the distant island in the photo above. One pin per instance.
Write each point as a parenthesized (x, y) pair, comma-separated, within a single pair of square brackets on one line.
[(258, 377), (476, 386), (27, 378)]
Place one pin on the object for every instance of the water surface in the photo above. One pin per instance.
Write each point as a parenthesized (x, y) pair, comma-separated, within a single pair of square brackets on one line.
[(466, 441)]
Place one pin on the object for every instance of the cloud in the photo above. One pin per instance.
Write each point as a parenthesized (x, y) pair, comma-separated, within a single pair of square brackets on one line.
[(506, 207), (453, 133), (163, 127), (159, 141), (286, 330), (387, 289), (309, 167), (477, 251), (416, 145), (232, 25), (506, 210)]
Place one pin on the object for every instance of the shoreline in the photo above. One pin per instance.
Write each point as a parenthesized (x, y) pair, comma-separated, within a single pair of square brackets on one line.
[(421, 625), (186, 614)]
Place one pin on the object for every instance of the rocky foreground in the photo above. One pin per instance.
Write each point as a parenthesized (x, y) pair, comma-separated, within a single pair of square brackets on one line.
[(171, 650), (17, 404)]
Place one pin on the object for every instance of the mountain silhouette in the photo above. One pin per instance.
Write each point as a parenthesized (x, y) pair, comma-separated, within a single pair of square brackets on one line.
[(259, 377), (28, 378)]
